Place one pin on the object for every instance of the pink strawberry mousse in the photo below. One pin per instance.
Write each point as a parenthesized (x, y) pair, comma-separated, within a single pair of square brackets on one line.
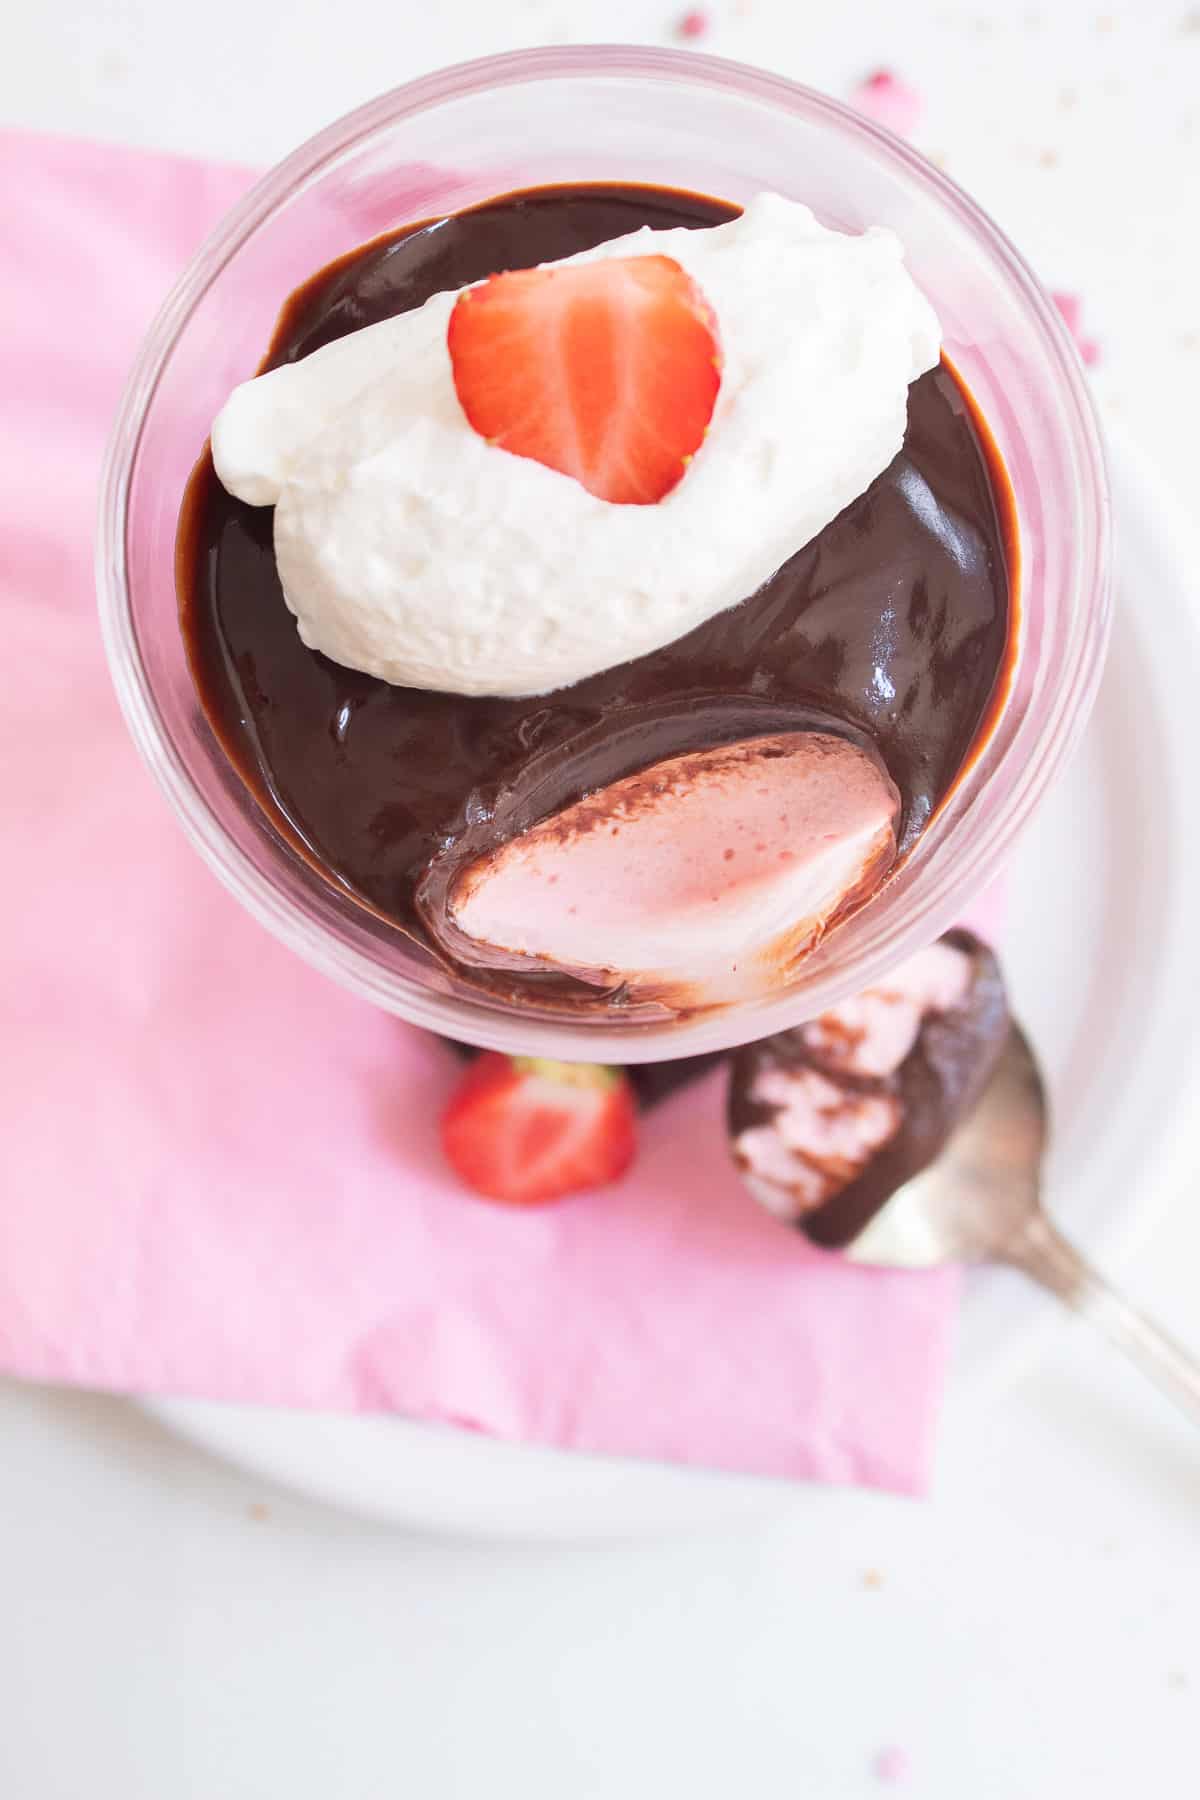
[(873, 1032), (697, 882), (822, 1136)]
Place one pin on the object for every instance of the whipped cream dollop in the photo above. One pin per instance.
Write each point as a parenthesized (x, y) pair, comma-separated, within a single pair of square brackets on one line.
[(412, 549)]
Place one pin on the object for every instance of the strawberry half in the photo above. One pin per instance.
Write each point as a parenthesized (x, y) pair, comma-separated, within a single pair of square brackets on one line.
[(525, 1130), (607, 371)]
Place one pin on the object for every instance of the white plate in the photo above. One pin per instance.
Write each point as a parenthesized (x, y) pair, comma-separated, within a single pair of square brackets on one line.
[(1104, 968)]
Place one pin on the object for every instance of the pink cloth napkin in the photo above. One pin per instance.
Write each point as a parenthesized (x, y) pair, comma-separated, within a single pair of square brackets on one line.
[(219, 1174)]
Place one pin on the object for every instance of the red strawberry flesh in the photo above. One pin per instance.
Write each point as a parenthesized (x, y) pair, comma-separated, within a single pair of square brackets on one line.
[(527, 1131), (606, 371)]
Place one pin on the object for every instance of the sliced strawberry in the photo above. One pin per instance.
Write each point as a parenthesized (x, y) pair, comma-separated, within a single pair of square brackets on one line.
[(607, 371), (525, 1130)]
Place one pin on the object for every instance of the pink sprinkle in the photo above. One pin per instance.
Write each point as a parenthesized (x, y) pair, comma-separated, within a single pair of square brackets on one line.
[(693, 24), (465, 1422), (889, 101), (1071, 308), (891, 1764)]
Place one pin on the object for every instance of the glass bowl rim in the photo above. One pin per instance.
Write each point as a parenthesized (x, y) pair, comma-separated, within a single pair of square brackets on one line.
[(481, 1021)]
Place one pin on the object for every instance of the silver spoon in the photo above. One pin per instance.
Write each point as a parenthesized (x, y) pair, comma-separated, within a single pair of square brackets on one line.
[(981, 1202)]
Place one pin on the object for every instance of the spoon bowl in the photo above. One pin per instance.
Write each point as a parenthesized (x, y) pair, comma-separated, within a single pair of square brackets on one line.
[(980, 1202), (976, 1202)]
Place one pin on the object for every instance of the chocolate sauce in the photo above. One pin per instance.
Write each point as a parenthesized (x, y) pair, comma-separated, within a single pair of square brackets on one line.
[(893, 625)]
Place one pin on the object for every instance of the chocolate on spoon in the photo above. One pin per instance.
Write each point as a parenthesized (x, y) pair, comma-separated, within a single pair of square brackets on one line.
[(828, 1120), (938, 1159)]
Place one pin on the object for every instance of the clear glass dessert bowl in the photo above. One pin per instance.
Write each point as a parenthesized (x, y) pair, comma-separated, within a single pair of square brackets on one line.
[(669, 119)]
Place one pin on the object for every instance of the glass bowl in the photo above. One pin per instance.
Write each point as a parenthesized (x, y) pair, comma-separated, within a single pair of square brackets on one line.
[(675, 119)]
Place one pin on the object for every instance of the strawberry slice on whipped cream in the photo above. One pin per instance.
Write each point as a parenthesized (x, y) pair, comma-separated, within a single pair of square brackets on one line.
[(522, 483)]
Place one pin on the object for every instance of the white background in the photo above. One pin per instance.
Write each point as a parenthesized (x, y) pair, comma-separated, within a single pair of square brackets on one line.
[(171, 1630)]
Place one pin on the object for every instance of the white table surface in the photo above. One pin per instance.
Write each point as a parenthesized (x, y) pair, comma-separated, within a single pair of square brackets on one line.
[(172, 1630)]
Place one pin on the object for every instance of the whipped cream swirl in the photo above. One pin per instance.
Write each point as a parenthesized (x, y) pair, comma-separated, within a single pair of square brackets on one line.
[(411, 549)]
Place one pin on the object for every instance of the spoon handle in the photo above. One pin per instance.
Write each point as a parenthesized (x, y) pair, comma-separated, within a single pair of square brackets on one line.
[(1044, 1254)]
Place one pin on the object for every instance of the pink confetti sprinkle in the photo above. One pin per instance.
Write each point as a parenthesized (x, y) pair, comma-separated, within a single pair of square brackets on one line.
[(889, 101), (693, 24), (1071, 308), (891, 1764), (466, 1423)]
